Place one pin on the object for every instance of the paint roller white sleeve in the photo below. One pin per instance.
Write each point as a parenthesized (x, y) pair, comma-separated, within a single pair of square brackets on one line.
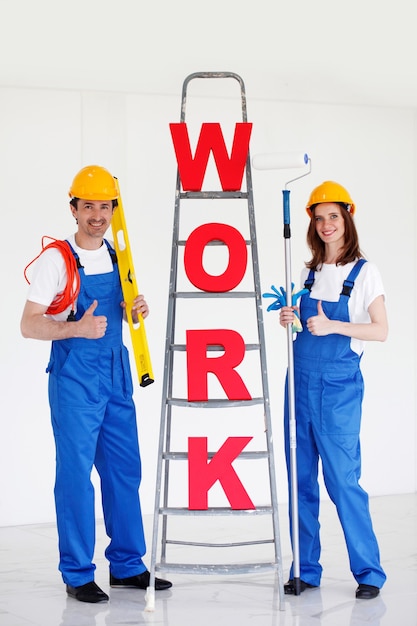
[(279, 161)]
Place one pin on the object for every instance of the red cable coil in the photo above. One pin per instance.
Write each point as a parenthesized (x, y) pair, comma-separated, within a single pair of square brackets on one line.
[(67, 297)]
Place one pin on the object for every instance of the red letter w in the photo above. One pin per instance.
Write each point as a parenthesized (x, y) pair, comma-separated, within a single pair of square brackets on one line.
[(211, 139)]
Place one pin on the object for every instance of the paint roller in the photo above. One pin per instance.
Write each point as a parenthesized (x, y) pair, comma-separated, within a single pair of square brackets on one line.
[(274, 162)]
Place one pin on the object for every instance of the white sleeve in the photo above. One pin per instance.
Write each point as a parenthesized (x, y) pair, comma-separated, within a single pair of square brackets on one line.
[(304, 275), (373, 286), (49, 277)]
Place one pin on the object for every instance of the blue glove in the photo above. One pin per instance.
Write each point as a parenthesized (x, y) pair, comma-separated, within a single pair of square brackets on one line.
[(281, 300), (281, 297)]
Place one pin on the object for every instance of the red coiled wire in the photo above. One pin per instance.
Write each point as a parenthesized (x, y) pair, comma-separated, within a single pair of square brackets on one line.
[(67, 297)]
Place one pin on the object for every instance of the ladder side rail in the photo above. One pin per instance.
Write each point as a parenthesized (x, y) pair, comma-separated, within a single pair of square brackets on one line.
[(165, 460), (166, 389), (169, 356)]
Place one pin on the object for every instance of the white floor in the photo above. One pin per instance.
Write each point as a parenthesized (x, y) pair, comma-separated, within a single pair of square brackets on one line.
[(32, 594)]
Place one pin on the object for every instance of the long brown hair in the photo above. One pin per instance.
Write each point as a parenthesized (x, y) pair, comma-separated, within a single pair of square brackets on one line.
[(350, 251)]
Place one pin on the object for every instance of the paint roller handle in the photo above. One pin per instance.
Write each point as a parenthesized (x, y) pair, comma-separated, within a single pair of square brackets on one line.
[(279, 161), (286, 212)]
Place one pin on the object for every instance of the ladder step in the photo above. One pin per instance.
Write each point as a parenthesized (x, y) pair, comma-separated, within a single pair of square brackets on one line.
[(212, 568), (183, 456), (214, 294), (199, 544), (181, 347), (215, 511), (214, 404), (213, 195), (213, 242)]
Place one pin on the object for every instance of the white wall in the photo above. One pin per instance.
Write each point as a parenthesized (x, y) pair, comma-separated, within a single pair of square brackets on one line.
[(47, 135), (92, 82)]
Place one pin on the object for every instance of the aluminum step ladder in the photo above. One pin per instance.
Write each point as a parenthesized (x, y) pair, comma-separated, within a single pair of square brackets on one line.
[(173, 408)]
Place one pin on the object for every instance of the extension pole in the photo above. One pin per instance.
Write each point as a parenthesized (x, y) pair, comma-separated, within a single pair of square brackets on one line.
[(291, 398), (284, 161)]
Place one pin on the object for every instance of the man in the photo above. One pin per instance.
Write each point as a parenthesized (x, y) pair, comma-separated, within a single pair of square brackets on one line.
[(80, 309)]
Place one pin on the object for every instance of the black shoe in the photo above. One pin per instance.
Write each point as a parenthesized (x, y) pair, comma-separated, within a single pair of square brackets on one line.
[(90, 592), (141, 581), (289, 587), (367, 592)]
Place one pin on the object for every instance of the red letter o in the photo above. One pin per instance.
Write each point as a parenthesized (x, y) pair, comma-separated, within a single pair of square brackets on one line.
[(193, 257)]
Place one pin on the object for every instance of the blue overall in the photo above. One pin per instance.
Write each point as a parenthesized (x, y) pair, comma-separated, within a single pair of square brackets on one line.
[(94, 423), (328, 397)]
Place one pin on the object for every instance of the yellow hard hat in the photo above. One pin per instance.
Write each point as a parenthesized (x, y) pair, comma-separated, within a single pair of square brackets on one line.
[(330, 191), (93, 183)]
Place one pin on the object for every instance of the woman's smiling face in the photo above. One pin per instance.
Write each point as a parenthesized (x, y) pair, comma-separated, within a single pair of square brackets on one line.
[(330, 225)]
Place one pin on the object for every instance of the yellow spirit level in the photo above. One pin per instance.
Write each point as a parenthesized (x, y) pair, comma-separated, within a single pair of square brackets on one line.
[(130, 291)]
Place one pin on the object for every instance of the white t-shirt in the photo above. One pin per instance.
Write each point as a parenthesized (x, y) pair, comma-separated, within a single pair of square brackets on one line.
[(49, 274), (328, 282)]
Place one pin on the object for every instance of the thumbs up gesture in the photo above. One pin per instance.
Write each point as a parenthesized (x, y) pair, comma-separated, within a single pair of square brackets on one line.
[(92, 326), (319, 324)]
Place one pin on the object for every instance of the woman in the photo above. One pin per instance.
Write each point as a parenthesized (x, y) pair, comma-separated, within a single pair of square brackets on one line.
[(344, 307)]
